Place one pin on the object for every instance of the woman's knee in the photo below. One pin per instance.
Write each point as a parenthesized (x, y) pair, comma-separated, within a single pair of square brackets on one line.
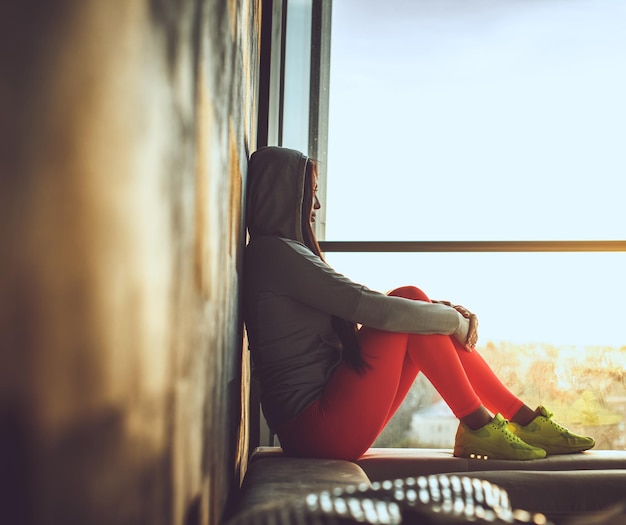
[(409, 292)]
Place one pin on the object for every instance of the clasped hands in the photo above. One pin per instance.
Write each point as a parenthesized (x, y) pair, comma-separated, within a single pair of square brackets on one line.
[(472, 332)]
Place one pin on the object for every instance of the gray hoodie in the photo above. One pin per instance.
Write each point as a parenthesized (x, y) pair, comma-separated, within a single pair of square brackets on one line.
[(290, 294)]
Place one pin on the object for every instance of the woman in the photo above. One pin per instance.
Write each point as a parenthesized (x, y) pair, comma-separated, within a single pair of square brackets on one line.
[(328, 389)]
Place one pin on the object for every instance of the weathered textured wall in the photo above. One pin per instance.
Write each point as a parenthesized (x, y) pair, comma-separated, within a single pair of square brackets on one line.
[(124, 131)]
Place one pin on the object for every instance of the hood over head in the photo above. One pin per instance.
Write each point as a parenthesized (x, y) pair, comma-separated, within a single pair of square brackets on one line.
[(275, 192)]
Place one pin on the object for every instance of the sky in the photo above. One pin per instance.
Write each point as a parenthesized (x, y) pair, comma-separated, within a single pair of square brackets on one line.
[(484, 120)]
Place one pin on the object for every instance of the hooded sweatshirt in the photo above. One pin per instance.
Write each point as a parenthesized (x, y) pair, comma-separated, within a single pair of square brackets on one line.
[(291, 294)]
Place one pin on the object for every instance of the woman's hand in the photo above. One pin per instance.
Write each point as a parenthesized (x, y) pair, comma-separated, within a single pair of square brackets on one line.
[(472, 333)]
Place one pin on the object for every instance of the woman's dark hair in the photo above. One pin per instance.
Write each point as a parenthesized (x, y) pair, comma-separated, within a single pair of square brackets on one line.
[(346, 330)]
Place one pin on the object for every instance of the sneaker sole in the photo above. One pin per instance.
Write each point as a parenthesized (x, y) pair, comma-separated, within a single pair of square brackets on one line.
[(552, 451)]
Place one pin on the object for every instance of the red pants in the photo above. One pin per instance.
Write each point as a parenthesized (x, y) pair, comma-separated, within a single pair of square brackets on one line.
[(355, 408)]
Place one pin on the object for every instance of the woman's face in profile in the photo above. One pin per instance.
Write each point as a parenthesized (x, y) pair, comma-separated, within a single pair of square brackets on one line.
[(316, 203)]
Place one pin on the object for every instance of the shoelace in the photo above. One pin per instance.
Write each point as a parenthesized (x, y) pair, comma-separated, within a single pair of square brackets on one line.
[(548, 415), (510, 436)]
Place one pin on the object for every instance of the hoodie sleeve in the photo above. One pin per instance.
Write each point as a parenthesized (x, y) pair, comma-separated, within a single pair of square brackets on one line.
[(296, 272), (397, 314)]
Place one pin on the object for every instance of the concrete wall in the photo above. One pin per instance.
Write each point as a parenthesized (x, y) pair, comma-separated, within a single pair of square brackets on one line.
[(124, 132)]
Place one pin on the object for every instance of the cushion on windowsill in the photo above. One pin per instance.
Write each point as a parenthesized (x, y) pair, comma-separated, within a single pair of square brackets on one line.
[(560, 487)]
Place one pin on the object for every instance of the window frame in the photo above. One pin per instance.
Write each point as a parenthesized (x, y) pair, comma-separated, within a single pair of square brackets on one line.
[(273, 115)]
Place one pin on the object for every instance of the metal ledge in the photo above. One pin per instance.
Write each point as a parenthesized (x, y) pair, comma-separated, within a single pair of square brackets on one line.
[(473, 246)]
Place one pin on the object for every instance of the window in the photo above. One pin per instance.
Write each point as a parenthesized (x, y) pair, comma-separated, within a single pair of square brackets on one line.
[(460, 121)]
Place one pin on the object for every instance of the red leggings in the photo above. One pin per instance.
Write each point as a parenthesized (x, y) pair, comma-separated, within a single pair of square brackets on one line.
[(355, 408)]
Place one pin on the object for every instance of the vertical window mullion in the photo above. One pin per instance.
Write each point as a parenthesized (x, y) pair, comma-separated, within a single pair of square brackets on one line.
[(319, 100)]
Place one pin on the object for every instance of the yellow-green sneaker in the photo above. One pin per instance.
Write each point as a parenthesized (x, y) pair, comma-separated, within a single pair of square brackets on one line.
[(493, 441), (546, 433)]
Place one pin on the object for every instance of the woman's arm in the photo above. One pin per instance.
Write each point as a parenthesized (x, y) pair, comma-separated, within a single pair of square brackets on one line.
[(293, 270), (397, 314)]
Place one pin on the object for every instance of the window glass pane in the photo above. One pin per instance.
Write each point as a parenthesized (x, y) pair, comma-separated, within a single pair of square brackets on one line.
[(551, 326), (297, 75), (468, 119)]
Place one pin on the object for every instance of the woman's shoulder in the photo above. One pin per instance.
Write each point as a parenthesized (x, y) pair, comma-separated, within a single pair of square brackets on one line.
[(273, 242), (281, 251)]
